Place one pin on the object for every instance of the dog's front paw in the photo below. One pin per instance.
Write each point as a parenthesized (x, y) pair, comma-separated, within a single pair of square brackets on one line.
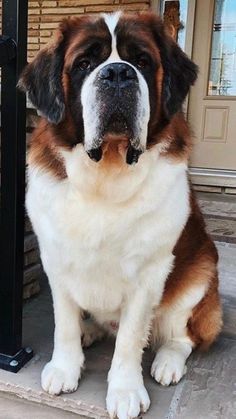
[(56, 380), (127, 403)]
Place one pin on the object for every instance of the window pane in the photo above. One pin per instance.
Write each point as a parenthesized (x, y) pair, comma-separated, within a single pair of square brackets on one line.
[(182, 5), (222, 78), (183, 19)]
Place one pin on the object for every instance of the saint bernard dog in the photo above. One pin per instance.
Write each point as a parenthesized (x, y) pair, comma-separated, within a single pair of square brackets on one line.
[(120, 232)]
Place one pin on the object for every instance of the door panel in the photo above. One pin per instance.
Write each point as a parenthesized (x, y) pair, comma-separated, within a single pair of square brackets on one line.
[(215, 124), (212, 104)]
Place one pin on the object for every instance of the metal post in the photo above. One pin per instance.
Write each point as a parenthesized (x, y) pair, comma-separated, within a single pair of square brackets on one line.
[(13, 117)]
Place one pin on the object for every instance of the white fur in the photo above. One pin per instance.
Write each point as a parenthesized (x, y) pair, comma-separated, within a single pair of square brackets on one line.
[(91, 332), (63, 372), (169, 330), (169, 366), (171, 321), (111, 21), (91, 105), (106, 243)]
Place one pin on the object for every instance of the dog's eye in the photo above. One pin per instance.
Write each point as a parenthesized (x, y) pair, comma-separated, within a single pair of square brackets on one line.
[(83, 65), (142, 62)]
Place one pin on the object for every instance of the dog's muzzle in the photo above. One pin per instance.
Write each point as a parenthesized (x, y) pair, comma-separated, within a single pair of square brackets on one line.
[(117, 98)]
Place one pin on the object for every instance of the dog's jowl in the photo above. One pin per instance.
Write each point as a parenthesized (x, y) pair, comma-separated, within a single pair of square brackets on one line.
[(120, 233)]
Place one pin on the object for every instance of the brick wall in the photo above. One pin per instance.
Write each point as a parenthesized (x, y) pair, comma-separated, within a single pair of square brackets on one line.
[(44, 16)]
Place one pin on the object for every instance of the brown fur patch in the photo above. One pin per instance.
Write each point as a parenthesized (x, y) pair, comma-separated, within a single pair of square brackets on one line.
[(195, 264), (114, 154), (206, 321), (159, 82), (43, 151), (86, 30), (176, 139)]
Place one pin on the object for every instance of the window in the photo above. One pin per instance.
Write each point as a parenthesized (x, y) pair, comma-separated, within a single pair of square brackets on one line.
[(222, 75), (183, 11)]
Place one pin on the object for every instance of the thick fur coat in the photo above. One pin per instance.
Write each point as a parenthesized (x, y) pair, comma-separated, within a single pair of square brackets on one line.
[(120, 233)]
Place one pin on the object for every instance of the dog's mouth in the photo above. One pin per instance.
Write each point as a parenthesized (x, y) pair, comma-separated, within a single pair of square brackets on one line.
[(117, 131), (117, 125), (132, 154)]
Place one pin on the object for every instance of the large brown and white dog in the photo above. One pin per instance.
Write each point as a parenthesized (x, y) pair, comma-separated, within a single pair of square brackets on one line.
[(120, 233)]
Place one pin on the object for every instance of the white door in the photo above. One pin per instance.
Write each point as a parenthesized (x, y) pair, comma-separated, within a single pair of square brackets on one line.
[(212, 102)]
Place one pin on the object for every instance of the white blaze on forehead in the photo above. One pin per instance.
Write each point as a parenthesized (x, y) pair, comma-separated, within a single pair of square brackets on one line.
[(111, 21)]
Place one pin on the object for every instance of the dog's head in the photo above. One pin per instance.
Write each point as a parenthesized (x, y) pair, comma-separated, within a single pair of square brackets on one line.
[(111, 78)]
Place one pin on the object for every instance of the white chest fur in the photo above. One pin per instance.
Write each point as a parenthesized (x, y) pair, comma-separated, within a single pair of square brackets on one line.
[(101, 234)]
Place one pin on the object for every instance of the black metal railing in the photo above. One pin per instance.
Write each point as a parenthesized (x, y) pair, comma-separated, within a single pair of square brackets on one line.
[(13, 56)]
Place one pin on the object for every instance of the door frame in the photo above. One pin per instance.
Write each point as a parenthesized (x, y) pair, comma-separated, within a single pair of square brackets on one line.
[(200, 176)]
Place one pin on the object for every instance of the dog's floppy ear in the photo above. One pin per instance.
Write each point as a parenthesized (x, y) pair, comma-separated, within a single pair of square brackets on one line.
[(42, 78), (179, 71), (179, 74)]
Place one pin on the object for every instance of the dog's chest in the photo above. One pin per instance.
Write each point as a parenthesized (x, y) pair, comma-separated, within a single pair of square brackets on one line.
[(96, 248), (91, 249)]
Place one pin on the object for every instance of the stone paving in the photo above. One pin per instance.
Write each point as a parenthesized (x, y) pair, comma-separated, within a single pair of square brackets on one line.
[(220, 216), (208, 391)]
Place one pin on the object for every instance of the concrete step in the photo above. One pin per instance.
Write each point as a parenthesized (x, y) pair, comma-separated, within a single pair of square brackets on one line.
[(205, 392), (12, 407)]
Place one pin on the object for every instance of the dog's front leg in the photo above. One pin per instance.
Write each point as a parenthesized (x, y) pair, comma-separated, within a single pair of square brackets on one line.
[(62, 373), (126, 394)]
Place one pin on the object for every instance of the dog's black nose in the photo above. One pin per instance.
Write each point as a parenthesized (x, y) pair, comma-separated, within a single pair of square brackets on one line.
[(118, 74)]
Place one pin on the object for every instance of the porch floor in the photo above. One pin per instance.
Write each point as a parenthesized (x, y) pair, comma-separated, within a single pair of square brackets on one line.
[(207, 390)]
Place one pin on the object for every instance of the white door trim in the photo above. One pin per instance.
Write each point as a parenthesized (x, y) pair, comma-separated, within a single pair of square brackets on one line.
[(213, 177)]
